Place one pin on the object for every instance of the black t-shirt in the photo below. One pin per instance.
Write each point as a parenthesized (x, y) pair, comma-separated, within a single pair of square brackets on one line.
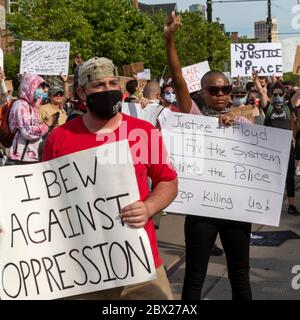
[(279, 117)]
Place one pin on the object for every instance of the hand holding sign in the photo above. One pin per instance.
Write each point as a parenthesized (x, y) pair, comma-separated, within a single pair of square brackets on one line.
[(135, 215)]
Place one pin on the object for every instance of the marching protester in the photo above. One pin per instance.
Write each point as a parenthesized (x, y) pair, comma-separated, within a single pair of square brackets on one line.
[(98, 85), (279, 114), (201, 232)]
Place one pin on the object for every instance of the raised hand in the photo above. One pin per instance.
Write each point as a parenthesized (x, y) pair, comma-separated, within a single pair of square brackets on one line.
[(172, 26)]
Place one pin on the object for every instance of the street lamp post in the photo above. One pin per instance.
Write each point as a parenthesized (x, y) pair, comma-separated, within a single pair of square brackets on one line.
[(269, 22)]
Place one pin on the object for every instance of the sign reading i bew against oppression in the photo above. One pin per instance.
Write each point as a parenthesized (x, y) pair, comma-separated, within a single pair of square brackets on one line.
[(45, 58), (235, 173), (61, 232), (266, 58)]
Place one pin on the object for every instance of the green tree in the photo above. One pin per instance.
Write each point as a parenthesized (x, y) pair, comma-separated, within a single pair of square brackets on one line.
[(115, 29)]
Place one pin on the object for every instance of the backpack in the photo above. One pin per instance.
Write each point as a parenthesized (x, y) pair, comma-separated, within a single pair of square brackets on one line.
[(271, 109), (6, 136)]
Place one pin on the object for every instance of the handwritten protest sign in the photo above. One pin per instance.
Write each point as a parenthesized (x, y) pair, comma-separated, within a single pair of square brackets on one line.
[(62, 235), (266, 58), (45, 58), (236, 173), (193, 75)]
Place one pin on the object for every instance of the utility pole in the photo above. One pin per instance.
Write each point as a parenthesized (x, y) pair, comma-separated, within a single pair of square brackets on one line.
[(269, 22), (209, 10)]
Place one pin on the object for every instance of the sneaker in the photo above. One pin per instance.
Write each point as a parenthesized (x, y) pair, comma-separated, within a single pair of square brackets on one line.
[(297, 172), (216, 251), (293, 210)]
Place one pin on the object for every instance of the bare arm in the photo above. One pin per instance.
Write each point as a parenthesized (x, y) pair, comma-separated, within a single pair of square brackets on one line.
[(183, 97), (66, 86), (262, 91), (137, 214), (295, 100)]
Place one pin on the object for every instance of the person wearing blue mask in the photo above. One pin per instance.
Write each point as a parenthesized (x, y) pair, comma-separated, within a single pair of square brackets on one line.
[(279, 114), (25, 123)]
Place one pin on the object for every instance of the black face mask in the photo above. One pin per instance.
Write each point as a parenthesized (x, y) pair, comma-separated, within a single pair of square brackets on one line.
[(105, 104)]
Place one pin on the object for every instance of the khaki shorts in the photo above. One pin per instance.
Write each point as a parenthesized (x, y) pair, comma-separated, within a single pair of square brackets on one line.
[(158, 289)]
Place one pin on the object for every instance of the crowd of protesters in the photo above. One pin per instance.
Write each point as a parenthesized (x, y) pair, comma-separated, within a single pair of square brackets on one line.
[(47, 121)]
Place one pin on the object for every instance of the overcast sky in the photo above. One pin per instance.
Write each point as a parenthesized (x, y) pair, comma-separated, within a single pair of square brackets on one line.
[(241, 16)]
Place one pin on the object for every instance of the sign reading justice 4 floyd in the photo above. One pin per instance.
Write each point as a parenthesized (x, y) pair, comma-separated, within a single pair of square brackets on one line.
[(61, 232), (236, 173), (45, 58), (266, 58)]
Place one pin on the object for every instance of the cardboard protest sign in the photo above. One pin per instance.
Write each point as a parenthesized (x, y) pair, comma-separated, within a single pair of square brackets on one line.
[(193, 75), (266, 58), (62, 235), (45, 58), (296, 68), (235, 173), (130, 69), (145, 75)]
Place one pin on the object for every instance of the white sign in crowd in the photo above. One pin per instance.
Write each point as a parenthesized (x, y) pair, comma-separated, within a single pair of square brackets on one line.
[(62, 235), (235, 173), (45, 58), (193, 75), (266, 58)]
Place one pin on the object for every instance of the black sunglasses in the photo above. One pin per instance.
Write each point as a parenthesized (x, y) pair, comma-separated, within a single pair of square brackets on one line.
[(214, 90), (278, 94), (58, 94)]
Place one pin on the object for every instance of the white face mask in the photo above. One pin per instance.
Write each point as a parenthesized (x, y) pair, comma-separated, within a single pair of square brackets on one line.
[(237, 101), (170, 97)]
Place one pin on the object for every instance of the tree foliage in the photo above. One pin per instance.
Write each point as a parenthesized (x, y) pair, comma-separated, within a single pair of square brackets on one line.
[(116, 30)]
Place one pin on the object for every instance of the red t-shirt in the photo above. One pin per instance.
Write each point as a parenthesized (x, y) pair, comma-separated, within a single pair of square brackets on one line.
[(73, 136)]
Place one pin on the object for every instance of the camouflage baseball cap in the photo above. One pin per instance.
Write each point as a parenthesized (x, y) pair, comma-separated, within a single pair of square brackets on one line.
[(96, 68), (55, 90)]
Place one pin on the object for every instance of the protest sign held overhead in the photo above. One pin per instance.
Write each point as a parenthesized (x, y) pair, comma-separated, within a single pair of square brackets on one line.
[(193, 75), (45, 58), (235, 173), (266, 58), (62, 234)]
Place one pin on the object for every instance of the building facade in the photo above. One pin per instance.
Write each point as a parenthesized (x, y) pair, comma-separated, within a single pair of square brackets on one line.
[(261, 30)]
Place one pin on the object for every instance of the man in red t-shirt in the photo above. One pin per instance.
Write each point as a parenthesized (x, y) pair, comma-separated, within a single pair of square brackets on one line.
[(103, 123)]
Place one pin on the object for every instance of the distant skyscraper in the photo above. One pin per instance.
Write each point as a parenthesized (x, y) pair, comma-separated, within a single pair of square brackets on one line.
[(261, 30), (198, 8)]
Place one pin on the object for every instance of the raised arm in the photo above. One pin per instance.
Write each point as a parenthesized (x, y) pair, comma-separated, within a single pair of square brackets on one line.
[(262, 91), (182, 93)]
